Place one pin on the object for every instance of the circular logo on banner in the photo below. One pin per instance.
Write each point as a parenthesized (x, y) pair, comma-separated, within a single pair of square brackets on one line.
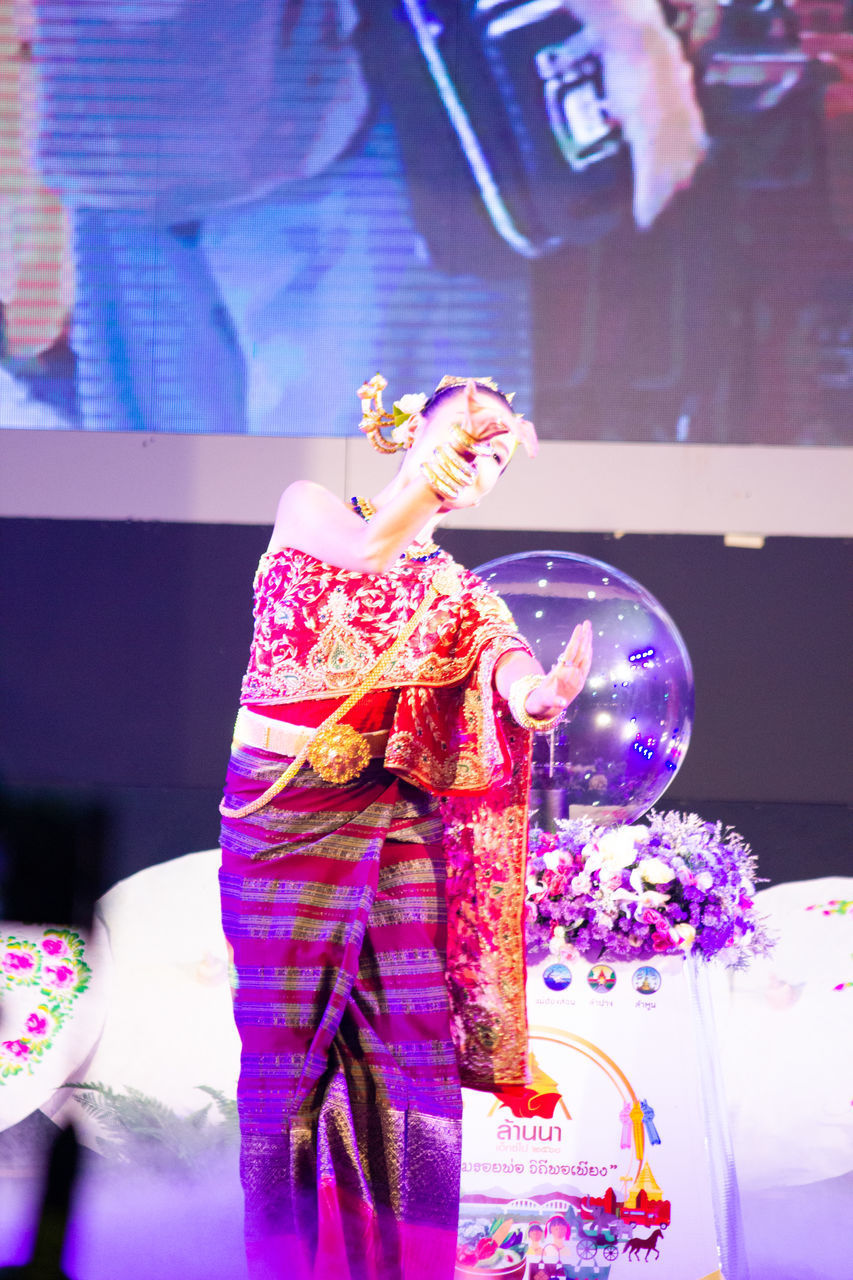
[(646, 980), (557, 977), (601, 977)]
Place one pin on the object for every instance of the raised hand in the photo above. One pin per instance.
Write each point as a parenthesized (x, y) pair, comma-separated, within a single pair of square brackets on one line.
[(484, 417), (567, 677)]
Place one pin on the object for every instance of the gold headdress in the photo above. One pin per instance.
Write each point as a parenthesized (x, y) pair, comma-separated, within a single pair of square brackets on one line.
[(376, 419), (451, 380)]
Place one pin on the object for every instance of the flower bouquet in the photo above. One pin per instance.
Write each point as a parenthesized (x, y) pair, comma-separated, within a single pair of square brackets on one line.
[(676, 885)]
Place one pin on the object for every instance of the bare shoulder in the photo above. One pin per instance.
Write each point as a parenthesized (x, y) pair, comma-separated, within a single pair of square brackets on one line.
[(304, 495), (305, 509)]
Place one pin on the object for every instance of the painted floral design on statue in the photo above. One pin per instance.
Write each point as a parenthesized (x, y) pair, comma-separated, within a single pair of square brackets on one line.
[(20, 962), (55, 968)]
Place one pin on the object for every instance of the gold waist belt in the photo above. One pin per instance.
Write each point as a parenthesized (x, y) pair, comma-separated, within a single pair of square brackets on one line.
[(253, 730)]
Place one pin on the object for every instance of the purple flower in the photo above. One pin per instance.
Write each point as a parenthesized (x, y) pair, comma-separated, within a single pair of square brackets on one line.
[(37, 1024), (18, 961), (54, 947)]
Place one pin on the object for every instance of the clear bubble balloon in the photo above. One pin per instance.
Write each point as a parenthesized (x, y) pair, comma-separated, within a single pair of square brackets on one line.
[(624, 737)]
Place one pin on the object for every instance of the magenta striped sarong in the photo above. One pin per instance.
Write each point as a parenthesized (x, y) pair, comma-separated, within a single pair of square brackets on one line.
[(349, 1099)]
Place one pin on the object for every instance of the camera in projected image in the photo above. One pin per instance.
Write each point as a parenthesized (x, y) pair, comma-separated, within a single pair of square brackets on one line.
[(523, 87)]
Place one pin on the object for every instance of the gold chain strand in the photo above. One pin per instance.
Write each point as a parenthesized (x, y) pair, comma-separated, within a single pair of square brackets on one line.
[(440, 584)]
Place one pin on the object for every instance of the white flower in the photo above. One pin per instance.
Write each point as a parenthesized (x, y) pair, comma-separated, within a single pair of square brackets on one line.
[(411, 403), (613, 850), (582, 883), (609, 878), (552, 859), (655, 871), (704, 881), (642, 897), (683, 935), (651, 871)]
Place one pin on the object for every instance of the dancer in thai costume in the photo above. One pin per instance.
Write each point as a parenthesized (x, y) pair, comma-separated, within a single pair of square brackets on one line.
[(373, 844)]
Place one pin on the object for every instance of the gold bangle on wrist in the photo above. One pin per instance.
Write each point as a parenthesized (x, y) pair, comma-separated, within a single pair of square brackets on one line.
[(461, 440), (449, 464), (517, 697), (447, 473), (450, 478), (439, 486)]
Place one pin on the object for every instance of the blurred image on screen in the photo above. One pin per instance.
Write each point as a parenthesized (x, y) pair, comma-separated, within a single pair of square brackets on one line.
[(221, 216)]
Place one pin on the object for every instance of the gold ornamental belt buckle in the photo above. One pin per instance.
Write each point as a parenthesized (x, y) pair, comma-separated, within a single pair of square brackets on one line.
[(338, 753)]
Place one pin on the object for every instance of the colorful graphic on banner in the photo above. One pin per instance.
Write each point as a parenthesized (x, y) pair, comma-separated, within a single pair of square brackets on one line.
[(601, 977), (600, 1161), (646, 979), (557, 977)]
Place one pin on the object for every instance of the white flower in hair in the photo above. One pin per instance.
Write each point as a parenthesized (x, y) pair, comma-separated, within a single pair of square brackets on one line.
[(410, 403), (404, 410)]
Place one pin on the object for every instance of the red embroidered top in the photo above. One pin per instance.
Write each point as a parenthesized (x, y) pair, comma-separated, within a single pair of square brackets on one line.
[(319, 629)]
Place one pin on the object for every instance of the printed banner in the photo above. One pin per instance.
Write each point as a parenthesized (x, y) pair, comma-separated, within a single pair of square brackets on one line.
[(601, 1161)]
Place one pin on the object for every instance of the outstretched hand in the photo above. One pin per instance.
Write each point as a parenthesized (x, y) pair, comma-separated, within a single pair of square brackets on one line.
[(566, 678), (484, 417)]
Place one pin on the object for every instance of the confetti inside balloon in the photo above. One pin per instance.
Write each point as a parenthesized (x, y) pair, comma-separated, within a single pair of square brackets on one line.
[(625, 736)]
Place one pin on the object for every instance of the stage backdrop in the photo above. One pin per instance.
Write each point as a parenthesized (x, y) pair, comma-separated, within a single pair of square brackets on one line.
[(222, 217)]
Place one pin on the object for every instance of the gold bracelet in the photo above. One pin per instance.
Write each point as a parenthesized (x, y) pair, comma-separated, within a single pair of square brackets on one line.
[(440, 487), (451, 480), (449, 464), (446, 473), (517, 697), (461, 440)]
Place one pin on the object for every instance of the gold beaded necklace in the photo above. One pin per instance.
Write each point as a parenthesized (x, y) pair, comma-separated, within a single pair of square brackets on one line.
[(417, 552)]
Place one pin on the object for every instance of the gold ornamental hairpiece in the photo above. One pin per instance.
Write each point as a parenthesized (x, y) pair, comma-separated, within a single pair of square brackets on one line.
[(375, 418)]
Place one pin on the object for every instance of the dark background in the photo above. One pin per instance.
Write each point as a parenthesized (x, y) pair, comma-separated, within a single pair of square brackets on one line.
[(124, 645)]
